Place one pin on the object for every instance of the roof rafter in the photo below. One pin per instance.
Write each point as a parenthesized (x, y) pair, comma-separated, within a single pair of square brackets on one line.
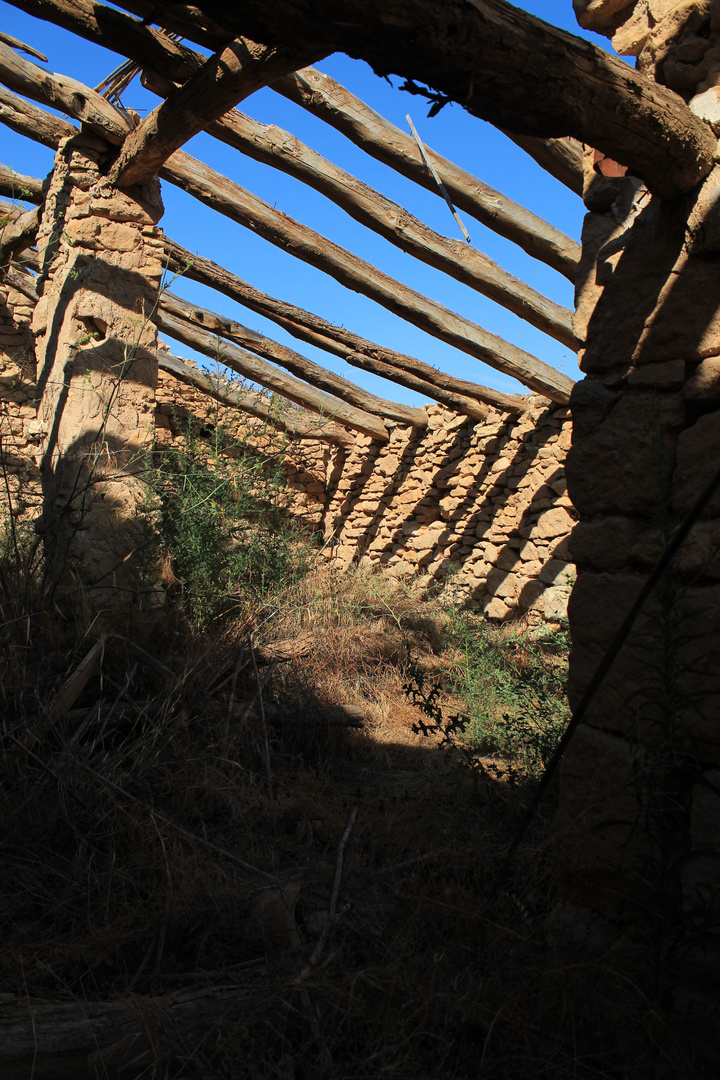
[(283, 151), (322, 96), (231, 74)]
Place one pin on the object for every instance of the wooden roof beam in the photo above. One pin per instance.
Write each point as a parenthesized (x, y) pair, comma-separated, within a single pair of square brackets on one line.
[(254, 403), (222, 194), (14, 185), (283, 151), (458, 394), (259, 371), (502, 65), (233, 73), (330, 101), (292, 361)]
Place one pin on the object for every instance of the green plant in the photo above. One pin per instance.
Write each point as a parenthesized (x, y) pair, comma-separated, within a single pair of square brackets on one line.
[(224, 527), (513, 686)]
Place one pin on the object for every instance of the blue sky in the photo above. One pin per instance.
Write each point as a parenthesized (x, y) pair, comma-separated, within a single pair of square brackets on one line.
[(470, 142)]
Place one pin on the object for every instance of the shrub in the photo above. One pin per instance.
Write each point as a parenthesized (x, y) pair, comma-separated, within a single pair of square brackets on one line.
[(225, 532)]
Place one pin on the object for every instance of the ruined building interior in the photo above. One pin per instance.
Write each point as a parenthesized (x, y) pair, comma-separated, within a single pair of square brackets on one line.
[(547, 503)]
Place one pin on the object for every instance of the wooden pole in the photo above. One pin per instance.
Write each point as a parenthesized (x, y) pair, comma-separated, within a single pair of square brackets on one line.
[(335, 339), (224, 195), (242, 206), (234, 72), (253, 403), (324, 97), (16, 186), (259, 371), (283, 151), (299, 365)]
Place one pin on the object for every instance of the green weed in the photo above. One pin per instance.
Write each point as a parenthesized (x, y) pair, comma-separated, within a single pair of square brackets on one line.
[(513, 687), (224, 528)]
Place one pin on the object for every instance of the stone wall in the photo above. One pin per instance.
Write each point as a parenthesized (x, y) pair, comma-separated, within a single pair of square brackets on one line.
[(642, 770), (480, 507)]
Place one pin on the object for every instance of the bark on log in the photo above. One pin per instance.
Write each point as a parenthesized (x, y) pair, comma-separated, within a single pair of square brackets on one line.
[(335, 339), (298, 365), (327, 99), (251, 367), (36, 124), (222, 194), (14, 185), (283, 151), (253, 403), (242, 206), (231, 74), (562, 158)]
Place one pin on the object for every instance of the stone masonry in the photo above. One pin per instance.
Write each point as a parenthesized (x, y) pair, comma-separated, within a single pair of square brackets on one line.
[(646, 440)]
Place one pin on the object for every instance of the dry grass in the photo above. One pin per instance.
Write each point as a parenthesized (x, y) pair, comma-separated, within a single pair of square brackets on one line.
[(174, 830)]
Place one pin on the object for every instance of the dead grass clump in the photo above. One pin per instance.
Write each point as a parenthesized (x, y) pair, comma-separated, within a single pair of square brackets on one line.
[(256, 842)]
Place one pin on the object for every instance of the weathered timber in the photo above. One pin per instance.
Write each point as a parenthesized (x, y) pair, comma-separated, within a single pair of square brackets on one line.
[(466, 406), (324, 97), (16, 186), (14, 43), (121, 33), (147, 147), (63, 93), (298, 365), (221, 390), (18, 233), (259, 371), (562, 158), (222, 194), (237, 70), (283, 151), (505, 66), (27, 119), (334, 339)]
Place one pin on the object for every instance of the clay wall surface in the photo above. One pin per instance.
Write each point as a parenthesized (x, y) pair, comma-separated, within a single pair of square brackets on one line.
[(18, 405)]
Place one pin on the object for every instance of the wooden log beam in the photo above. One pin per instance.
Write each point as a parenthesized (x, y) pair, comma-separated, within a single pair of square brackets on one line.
[(292, 361), (259, 371), (239, 69), (283, 151), (505, 66), (334, 339), (63, 93), (26, 119), (562, 158), (14, 185), (18, 233), (235, 202), (20, 46), (324, 97), (120, 33), (254, 403), (223, 194)]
